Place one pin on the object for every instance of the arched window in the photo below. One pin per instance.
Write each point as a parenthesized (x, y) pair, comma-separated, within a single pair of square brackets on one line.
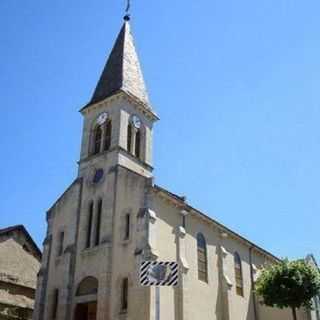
[(124, 294), (55, 303), (60, 243), (97, 140), (238, 274), (98, 223), (129, 137), (87, 286), (137, 143), (107, 135), (89, 225), (202, 258), (127, 227)]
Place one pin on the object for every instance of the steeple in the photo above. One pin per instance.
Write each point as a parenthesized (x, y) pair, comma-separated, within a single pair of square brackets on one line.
[(122, 71), (118, 121)]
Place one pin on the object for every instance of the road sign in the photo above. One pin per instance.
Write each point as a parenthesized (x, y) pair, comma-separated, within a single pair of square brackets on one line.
[(158, 273)]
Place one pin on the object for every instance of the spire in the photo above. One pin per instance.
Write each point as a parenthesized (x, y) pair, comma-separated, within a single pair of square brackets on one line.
[(122, 70)]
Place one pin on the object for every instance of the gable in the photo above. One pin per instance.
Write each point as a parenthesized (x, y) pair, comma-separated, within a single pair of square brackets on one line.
[(20, 266)]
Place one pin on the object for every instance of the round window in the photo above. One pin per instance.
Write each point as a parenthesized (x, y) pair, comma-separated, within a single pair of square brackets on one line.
[(98, 175)]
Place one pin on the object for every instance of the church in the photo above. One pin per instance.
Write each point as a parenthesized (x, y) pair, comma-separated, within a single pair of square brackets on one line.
[(114, 216)]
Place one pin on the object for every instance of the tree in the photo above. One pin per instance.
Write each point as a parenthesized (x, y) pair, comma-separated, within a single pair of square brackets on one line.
[(289, 285)]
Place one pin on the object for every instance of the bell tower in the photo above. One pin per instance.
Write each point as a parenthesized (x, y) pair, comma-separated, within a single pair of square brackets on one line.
[(97, 230), (118, 120)]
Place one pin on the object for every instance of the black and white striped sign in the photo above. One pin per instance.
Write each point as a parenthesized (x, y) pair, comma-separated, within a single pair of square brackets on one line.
[(157, 273)]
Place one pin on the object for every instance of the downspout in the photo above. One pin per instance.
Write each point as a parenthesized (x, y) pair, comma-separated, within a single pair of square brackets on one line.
[(253, 293)]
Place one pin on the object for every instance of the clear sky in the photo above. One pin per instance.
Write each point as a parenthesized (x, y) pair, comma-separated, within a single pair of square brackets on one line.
[(236, 85)]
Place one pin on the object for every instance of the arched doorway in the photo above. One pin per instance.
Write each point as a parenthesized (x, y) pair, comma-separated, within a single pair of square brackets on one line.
[(86, 311), (86, 308)]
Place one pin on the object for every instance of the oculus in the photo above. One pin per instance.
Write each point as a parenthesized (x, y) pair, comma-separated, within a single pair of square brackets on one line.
[(97, 176)]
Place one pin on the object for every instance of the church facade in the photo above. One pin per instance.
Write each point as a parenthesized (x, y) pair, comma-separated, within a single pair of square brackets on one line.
[(113, 217)]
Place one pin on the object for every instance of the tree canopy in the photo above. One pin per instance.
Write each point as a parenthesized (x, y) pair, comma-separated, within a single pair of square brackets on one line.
[(289, 285)]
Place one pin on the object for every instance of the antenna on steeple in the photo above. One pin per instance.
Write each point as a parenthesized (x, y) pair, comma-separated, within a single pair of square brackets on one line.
[(127, 16)]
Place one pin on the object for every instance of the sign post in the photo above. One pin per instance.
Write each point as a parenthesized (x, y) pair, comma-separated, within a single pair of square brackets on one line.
[(158, 274)]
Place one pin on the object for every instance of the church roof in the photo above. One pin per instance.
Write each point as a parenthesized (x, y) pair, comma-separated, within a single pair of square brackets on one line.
[(22, 257), (20, 228), (182, 201), (122, 71)]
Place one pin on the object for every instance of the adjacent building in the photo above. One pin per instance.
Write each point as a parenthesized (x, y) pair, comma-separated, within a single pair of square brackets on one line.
[(315, 312), (19, 264), (113, 217)]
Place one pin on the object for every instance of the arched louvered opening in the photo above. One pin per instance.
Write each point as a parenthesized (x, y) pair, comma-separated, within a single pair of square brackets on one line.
[(202, 258), (129, 137), (97, 140), (107, 136), (238, 274), (137, 151)]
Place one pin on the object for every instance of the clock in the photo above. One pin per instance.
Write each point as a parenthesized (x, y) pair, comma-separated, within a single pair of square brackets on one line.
[(102, 118), (136, 122)]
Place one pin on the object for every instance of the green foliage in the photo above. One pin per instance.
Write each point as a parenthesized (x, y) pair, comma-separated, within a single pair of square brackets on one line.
[(288, 284)]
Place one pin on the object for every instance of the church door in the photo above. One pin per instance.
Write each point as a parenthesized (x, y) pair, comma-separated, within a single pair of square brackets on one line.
[(86, 311)]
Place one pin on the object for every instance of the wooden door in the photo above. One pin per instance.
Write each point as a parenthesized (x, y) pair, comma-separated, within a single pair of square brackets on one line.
[(92, 311)]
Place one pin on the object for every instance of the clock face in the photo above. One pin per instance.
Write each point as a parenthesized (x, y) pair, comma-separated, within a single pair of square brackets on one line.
[(102, 118), (136, 122)]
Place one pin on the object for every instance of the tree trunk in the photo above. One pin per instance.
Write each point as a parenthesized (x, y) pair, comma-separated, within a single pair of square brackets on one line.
[(294, 313)]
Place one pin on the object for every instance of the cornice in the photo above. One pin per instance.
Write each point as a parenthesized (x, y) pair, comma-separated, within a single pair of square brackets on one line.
[(120, 150), (118, 95)]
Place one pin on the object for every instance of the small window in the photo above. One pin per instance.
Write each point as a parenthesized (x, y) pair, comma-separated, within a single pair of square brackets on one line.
[(97, 140), (137, 143), (107, 137), (184, 221), (55, 303), (124, 295), (127, 227), (202, 258), (98, 224), (238, 274), (60, 243), (129, 138), (89, 225)]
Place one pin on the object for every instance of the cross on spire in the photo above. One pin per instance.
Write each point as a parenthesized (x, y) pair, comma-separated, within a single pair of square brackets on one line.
[(127, 16)]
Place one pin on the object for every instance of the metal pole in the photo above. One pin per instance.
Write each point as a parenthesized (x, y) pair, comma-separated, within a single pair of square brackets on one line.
[(157, 303)]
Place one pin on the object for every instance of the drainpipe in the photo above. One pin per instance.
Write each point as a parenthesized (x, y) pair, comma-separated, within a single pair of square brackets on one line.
[(254, 300)]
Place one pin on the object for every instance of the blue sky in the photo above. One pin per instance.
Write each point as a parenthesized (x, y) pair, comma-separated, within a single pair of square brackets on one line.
[(236, 85)]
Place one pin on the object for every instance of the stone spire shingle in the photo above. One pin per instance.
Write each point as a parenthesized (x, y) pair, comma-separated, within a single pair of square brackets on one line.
[(122, 71)]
